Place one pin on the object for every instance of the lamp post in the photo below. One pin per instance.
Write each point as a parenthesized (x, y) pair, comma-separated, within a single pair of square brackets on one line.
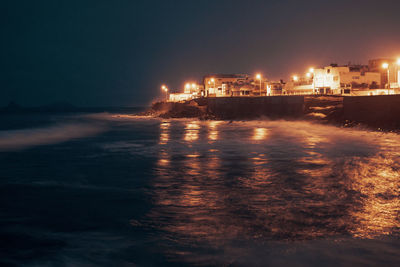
[(258, 77), (212, 80), (165, 89), (386, 67), (311, 71), (398, 72), (187, 88)]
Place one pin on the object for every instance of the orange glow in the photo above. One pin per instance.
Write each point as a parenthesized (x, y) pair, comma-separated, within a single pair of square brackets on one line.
[(164, 133), (212, 80), (213, 131), (187, 86), (192, 131), (385, 65), (398, 61), (259, 134), (164, 88), (295, 78), (191, 192), (193, 85), (379, 215), (311, 70), (308, 75), (258, 76)]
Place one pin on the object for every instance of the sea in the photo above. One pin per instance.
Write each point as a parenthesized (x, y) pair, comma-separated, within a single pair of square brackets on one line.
[(116, 189)]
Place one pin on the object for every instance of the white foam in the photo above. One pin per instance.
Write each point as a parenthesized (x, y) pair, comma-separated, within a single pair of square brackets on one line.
[(21, 139)]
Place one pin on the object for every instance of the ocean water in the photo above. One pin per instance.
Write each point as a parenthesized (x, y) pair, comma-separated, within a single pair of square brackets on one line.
[(108, 189)]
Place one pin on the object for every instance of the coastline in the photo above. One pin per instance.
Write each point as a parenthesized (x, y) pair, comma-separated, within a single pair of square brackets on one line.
[(373, 112)]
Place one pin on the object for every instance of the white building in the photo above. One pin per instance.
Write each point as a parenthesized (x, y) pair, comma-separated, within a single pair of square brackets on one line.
[(178, 97), (343, 79), (191, 91), (219, 85)]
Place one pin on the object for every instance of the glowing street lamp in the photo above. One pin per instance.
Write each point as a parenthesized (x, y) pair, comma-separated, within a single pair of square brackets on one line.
[(258, 77), (212, 80), (165, 89), (295, 78), (308, 75), (193, 85), (398, 72), (386, 67), (311, 70), (187, 87)]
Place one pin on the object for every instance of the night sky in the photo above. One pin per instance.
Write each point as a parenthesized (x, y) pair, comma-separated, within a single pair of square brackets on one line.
[(118, 53)]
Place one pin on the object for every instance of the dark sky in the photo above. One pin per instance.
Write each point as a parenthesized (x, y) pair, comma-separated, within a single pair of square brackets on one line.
[(110, 53)]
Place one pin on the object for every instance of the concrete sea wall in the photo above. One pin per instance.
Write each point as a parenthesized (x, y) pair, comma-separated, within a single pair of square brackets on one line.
[(371, 111), (254, 107), (376, 111)]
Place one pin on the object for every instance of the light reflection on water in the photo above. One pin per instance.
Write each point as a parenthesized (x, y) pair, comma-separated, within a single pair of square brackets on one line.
[(164, 133), (192, 131), (259, 134), (213, 130), (220, 182)]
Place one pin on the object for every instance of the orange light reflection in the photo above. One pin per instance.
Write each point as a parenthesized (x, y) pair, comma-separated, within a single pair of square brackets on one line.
[(259, 134), (192, 131)]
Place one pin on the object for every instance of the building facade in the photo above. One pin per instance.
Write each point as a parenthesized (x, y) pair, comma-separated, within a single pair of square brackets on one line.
[(335, 79), (220, 85)]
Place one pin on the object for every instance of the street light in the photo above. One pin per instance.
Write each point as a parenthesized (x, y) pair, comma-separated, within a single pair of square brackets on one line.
[(398, 72), (258, 77), (295, 78), (213, 81), (187, 86), (165, 89), (386, 67), (308, 75), (311, 70)]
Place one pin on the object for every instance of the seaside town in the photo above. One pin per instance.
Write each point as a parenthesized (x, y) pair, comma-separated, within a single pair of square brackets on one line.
[(379, 77)]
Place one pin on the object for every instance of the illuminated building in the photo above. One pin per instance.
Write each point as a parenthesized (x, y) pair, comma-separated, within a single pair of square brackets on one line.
[(219, 85), (390, 75), (336, 79), (191, 90), (299, 85)]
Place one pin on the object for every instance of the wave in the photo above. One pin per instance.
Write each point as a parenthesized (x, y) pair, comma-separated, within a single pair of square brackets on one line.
[(12, 140)]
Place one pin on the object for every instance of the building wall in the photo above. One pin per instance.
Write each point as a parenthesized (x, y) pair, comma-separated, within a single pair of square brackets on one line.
[(222, 84), (177, 97), (337, 78), (329, 77), (361, 78), (375, 65)]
